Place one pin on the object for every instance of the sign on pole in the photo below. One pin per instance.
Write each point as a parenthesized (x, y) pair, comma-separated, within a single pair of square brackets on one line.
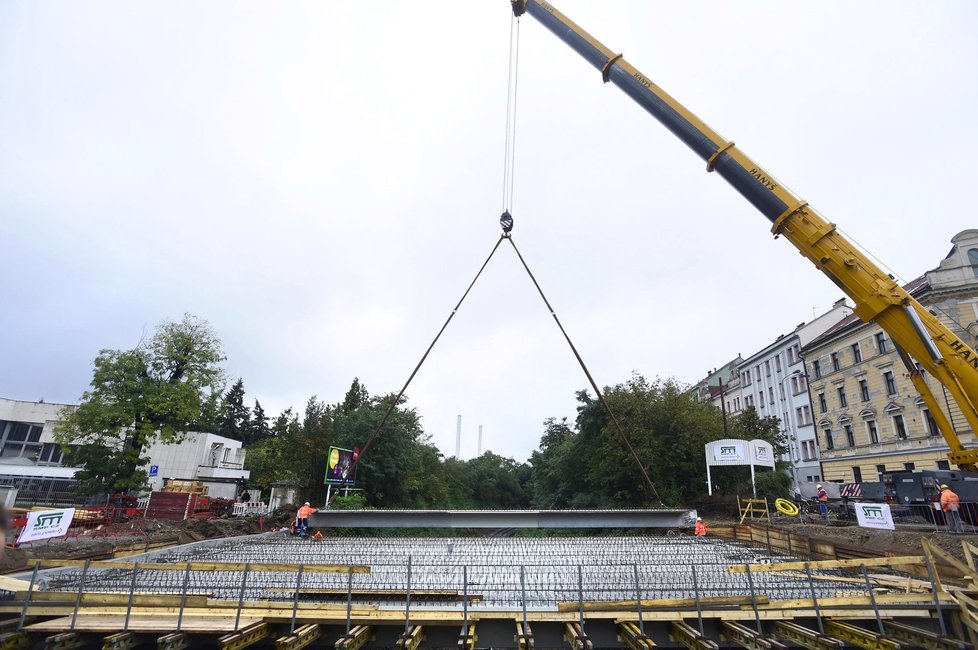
[(43, 524), (731, 451), (874, 515), (341, 468)]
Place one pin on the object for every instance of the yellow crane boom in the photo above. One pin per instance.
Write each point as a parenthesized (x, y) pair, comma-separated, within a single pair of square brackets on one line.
[(925, 343)]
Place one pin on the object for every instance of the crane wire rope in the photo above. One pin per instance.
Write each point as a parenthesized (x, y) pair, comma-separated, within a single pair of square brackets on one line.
[(587, 373), (397, 399), (512, 85)]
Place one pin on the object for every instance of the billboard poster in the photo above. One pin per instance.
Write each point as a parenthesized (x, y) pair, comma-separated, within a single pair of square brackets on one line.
[(340, 468), (730, 451), (43, 524), (874, 515)]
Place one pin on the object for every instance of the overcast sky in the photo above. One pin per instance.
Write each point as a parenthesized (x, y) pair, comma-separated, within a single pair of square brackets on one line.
[(321, 180)]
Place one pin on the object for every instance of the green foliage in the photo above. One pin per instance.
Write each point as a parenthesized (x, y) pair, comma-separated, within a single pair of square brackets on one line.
[(158, 390), (234, 418)]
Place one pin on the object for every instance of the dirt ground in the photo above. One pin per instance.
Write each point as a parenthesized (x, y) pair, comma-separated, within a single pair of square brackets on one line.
[(138, 536), (145, 534)]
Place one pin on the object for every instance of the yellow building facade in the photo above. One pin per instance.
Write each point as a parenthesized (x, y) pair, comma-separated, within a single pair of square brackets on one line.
[(868, 416)]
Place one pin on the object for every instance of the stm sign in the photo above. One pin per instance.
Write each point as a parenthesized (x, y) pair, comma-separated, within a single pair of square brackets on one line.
[(874, 515), (44, 524)]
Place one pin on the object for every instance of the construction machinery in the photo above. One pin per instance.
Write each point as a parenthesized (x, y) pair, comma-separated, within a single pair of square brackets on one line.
[(924, 343)]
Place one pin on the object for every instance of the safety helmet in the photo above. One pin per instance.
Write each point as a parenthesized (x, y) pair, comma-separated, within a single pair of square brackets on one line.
[(819, 485), (944, 486), (699, 519), (306, 503)]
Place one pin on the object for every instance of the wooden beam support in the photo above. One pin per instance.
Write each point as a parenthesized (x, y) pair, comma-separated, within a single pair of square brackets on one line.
[(174, 641), (806, 638), (829, 564), (524, 636), (631, 636), (861, 637), (691, 638), (65, 641), (575, 637), (15, 641), (411, 639), (357, 638), (245, 637), (467, 638), (918, 638), (120, 641), (748, 638), (302, 637)]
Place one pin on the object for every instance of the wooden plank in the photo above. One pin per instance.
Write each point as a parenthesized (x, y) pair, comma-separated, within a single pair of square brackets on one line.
[(443, 594), (747, 638), (860, 637), (665, 603), (302, 637), (244, 637), (828, 564), (691, 638), (96, 598), (205, 566), (805, 637), (918, 638)]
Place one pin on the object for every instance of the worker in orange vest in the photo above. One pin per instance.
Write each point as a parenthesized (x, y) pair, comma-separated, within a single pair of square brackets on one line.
[(700, 529), (302, 519), (950, 504), (823, 501)]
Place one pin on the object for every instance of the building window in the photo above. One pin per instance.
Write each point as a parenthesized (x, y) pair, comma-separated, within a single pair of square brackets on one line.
[(909, 467), (931, 424), (857, 475), (808, 450), (767, 368), (880, 471), (973, 260), (943, 464), (900, 427), (864, 390), (890, 383), (857, 354), (823, 406), (777, 363), (770, 393), (761, 395), (798, 384), (828, 439), (835, 361), (757, 373), (842, 397), (874, 436), (881, 342), (816, 369), (850, 436), (747, 379), (793, 355), (804, 415)]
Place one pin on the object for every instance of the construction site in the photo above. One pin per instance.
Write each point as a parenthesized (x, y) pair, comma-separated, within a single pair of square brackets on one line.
[(241, 576), (759, 586)]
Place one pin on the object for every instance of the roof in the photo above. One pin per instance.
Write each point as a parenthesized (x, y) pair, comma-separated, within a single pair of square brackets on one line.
[(850, 322)]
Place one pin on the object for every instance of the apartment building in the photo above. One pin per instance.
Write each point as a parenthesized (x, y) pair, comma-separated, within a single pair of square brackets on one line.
[(868, 415), (773, 381)]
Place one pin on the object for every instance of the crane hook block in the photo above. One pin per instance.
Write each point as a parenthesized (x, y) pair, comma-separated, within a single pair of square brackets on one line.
[(506, 222)]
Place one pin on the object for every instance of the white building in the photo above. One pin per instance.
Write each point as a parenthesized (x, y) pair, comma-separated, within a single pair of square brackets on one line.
[(721, 387), (32, 462), (775, 383), (216, 461)]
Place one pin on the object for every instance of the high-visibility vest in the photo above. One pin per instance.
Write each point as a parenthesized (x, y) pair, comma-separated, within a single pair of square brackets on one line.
[(305, 511), (700, 528), (823, 495), (949, 500)]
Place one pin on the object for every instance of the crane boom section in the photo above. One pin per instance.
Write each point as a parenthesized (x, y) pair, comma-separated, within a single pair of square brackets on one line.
[(875, 294)]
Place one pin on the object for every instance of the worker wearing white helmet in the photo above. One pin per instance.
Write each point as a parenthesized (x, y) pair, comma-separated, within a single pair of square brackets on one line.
[(700, 529), (823, 501), (302, 519)]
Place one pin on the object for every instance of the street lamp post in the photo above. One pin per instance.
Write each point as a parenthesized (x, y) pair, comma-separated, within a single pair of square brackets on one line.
[(792, 438)]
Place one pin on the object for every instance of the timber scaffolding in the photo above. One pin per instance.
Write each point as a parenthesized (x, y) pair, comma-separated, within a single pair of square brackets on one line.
[(755, 587)]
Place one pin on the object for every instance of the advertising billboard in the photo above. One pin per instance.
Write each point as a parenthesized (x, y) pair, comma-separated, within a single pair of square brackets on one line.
[(340, 468)]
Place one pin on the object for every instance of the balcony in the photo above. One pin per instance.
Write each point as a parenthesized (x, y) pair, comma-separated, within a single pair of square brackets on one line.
[(222, 470)]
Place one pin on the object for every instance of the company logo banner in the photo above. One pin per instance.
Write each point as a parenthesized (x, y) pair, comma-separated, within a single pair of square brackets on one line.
[(874, 515), (43, 524)]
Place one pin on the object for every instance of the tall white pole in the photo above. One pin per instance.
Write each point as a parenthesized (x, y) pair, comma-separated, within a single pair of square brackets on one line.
[(480, 442), (458, 438)]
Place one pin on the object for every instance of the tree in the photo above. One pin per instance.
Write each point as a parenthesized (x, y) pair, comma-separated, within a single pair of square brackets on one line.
[(234, 419), (158, 390), (259, 424)]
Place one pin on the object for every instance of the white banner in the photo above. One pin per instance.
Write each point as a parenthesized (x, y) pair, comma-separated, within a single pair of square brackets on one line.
[(762, 453), (42, 524), (874, 515), (727, 452)]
